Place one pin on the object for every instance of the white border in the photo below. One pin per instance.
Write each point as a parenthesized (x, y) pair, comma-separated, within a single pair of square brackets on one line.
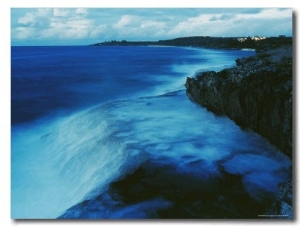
[(153, 3), (5, 6)]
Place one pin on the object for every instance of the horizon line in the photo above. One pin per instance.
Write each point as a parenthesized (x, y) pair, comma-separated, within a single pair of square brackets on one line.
[(125, 40)]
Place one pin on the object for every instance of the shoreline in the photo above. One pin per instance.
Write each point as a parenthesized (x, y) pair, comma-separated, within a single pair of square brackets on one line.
[(154, 183), (255, 94)]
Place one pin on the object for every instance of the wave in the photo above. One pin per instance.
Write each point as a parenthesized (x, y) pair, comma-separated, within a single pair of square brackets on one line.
[(65, 162), (76, 158)]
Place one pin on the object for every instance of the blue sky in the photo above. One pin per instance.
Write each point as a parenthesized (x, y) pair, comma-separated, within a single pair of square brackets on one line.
[(83, 26)]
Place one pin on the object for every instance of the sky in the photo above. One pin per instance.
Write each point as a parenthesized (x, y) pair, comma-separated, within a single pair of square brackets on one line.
[(84, 26)]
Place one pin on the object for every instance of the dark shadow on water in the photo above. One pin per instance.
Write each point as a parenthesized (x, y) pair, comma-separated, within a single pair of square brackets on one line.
[(184, 196)]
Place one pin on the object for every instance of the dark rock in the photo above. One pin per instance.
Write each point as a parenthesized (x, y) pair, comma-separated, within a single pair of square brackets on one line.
[(256, 94), (186, 196), (190, 196), (207, 42), (282, 204)]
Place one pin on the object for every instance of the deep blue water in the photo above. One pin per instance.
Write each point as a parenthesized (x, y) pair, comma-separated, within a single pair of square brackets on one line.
[(83, 117), (46, 80)]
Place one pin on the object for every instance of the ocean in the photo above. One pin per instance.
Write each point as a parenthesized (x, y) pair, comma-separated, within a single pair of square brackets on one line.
[(84, 118)]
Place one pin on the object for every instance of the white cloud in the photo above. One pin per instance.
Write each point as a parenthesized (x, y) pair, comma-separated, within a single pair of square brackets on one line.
[(32, 18), (266, 14), (81, 23), (98, 31), (43, 12), (127, 20), (55, 23), (23, 32), (152, 29), (138, 27), (61, 12), (68, 29), (149, 24), (229, 24), (29, 18), (81, 11)]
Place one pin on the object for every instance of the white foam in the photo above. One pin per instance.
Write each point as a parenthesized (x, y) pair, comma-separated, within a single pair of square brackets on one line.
[(178, 72), (56, 167), (78, 156), (58, 164), (172, 128)]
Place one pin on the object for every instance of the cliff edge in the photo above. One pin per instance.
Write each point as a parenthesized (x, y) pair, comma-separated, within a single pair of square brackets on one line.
[(256, 94)]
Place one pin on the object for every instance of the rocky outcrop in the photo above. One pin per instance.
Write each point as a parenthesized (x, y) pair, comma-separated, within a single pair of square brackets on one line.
[(176, 195), (281, 207), (256, 94)]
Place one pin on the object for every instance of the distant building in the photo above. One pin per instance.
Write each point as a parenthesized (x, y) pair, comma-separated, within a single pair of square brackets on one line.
[(255, 38), (241, 39)]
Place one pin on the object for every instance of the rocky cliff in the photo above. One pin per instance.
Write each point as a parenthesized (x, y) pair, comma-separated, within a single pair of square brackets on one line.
[(256, 94)]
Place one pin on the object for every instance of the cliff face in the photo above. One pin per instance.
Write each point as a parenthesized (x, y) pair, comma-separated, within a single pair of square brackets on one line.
[(256, 94), (282, 202)]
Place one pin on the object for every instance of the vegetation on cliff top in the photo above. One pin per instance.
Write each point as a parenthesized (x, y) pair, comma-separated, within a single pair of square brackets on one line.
[(209, 42)]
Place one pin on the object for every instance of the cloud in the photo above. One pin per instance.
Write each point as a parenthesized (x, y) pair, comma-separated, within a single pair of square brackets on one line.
[(98, 31), (61, 12), (222, 17), (29, 18), (138, 27), (68, 29), (235, 24), (34, 18), (54, 23), (81, 11), (43, 12), (23, 32), (267, 14), (153, 29), (150, 24), (65, 24), (127, 20)]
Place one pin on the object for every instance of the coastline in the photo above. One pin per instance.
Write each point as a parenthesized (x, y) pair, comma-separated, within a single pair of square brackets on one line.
[(256, 94), (155, 184)]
